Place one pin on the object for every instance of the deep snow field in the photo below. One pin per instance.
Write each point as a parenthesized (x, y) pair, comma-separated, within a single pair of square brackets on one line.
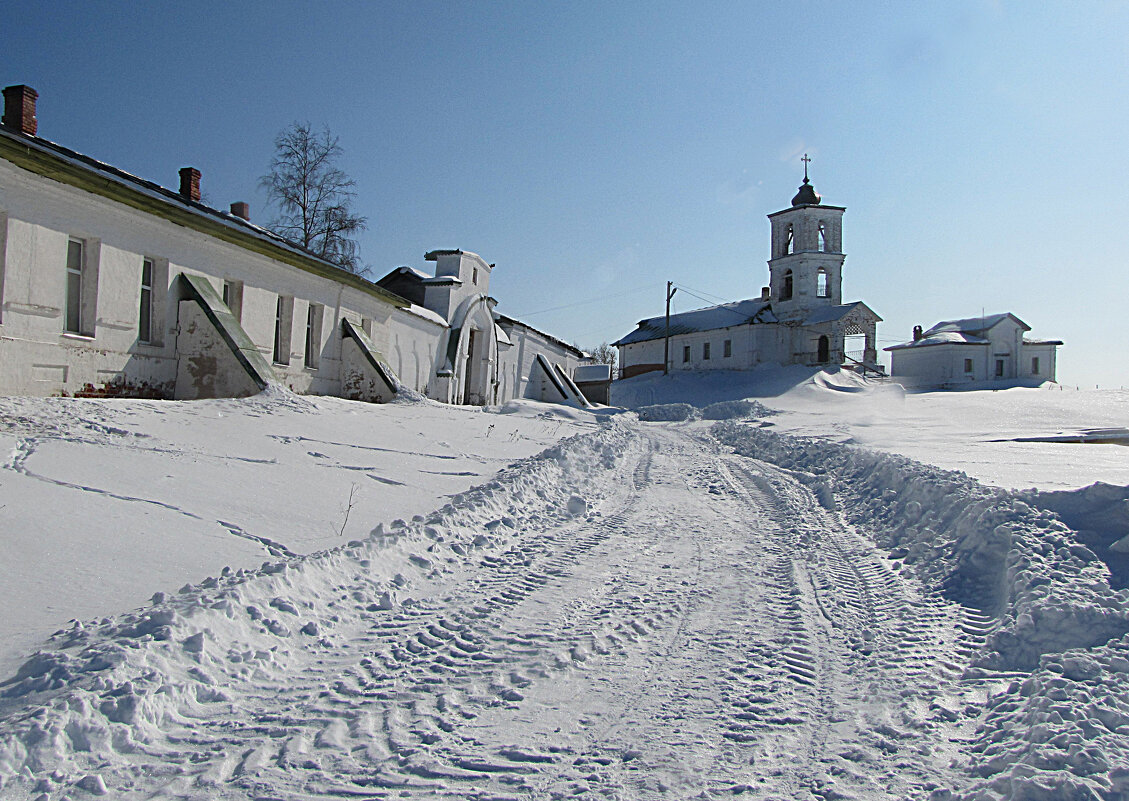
[(839, 591)]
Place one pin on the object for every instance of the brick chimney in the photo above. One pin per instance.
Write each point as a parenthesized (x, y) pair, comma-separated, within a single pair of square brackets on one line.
[(19, 109), (242, 210), (190, 183), (765, 293)]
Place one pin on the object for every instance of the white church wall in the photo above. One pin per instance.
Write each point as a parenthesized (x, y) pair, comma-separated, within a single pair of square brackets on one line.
[(415, 340), (42, 216)]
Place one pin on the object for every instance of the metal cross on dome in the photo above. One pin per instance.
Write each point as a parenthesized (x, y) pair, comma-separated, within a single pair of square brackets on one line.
[(806, 161)]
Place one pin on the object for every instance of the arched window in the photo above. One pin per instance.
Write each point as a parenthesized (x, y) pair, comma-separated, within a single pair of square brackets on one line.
[(789, 243), (824, 350), (822, 285), (786, 290), (823, 238)]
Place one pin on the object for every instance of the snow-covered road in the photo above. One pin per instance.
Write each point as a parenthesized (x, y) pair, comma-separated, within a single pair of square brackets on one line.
[(661, 619)]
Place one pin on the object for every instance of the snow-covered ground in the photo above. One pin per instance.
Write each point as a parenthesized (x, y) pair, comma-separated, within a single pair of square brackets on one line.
[(296, 598)]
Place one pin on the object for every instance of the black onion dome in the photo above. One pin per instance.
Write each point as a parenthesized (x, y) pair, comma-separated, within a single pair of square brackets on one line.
[(807, 196)]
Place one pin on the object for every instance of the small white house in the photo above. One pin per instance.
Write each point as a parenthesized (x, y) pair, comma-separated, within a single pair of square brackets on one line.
[(990, 349)]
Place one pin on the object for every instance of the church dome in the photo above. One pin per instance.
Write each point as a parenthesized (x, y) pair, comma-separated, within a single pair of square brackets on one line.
[(807, 196)]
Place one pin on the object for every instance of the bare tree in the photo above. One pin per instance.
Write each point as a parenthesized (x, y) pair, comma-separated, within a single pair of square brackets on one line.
[(606, 354), (314, 196)]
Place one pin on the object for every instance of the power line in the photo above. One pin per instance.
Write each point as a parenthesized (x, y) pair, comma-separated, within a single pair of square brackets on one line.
[(584, 302)]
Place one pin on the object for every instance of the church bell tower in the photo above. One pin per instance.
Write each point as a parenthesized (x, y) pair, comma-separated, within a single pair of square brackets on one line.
[(806, 268)]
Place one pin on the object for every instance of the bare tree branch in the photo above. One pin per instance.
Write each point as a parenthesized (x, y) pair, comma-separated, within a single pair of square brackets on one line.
[(314, 196)]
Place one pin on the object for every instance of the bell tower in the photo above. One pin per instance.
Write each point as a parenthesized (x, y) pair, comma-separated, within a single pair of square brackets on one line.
[(806, 267)]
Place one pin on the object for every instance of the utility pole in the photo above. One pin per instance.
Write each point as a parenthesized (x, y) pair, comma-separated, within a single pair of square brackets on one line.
[(670, 290)]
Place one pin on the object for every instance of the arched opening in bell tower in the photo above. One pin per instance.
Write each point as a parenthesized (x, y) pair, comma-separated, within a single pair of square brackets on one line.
[(822, 284), (786, 290), (823, 239), (789, 241)]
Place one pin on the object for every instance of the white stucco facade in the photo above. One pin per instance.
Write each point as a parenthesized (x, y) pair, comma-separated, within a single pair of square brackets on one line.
[(800, 317), (977, 350), (96, 298)]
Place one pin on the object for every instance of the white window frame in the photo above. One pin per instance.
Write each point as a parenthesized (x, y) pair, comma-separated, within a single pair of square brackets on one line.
[(85, 294), (314, 314), (145, 307), (233, 297), (3, 257), (283, 329)]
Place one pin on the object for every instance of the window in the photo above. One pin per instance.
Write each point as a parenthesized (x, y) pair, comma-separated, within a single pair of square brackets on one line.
[(73, 312), (685, 354), (145, 313), (789, 242), (727, 348), (705, 350), (3, 253), (968, 366), (474, 276), (823, 238), (822, 285), (80, 305), (1034, 365), (999, 368), (233, 298), (786, 290), (313, 334), (823, 350), (283, 324)]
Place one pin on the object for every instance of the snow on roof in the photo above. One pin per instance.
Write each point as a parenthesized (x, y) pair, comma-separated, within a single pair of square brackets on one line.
[(831, 313), (973, 325), (503, 320), (1042, 342), (427, 314), (157, 192), (592, 372), (725, 315), (941, 338)]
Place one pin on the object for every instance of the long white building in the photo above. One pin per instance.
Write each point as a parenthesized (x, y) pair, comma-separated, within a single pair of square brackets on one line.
[(111, 284)]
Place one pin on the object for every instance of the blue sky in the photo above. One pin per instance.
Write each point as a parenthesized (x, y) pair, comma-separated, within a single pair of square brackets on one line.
[(596, 150)]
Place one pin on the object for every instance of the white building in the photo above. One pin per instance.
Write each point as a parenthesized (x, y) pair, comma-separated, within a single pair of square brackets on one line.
[(987, 349), (110, 284), (800, 317)]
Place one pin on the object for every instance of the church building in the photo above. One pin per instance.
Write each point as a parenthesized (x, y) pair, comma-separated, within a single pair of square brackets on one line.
[(800, 317)]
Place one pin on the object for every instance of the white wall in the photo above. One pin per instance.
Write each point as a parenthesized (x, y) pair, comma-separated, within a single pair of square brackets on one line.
[(39, 358)]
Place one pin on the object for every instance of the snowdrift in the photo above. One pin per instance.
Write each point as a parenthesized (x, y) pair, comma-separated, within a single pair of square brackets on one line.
[(74, 712), (1061, 732)]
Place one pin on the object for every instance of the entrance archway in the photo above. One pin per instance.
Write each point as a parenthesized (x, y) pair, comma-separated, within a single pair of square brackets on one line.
[(823, 351)]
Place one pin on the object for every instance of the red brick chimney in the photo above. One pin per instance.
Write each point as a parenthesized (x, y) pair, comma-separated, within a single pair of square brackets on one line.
[(190, 183), (242, 210), (19, 109)]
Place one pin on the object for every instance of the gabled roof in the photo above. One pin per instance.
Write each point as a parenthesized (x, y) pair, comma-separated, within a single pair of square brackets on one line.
[(509, 322), (976, 325), (829, 314), (711, 318), (941, 338), (968, 331)]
